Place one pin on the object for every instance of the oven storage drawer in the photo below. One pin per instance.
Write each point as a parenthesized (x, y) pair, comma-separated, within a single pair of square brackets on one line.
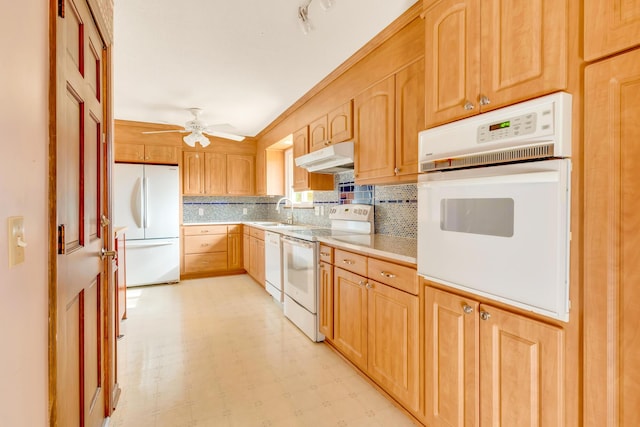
[(398, 276), (351, 262)]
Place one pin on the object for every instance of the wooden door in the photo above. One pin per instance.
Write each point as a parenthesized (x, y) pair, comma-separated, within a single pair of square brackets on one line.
[(215, 174), (81, 397), (300, 147), (452, 60), (234, 251), (192, 173), (610, 27), (451, 340), (374, 124), (611, 256), (410, 103), (511, 73), (521, 371), (350, 316), (340, 122), (240, 175), (393, 356), (326, 300), (318, 134)]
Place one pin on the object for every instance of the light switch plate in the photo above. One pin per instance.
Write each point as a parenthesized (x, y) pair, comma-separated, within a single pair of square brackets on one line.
[(15, 236)]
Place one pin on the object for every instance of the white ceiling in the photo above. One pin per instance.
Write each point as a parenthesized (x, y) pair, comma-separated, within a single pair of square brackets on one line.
[(244, 62)]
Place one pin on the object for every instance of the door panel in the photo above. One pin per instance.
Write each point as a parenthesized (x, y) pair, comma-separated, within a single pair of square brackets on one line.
[(350, 316)]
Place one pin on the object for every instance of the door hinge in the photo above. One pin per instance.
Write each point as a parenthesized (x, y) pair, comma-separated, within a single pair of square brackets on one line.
[(61, 8), (61, 239)]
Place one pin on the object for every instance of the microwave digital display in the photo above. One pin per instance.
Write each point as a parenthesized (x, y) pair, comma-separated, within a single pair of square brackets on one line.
[(501, 125)]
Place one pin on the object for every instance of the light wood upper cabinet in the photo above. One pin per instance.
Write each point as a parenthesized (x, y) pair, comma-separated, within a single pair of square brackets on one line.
[(611, 257), (270, 172), (216, 174), (409, 117), (487, 366), (318, 134), (340, 122), (141, 153), (475, 56), (303, 180), (610, 27), (350, 316), (374, 124)]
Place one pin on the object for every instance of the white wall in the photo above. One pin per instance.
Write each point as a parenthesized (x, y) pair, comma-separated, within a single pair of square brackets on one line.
[(24, 81)]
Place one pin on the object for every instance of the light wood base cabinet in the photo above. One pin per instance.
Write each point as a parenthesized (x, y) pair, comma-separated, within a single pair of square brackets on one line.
[(487, 366), (255, 260), (211, 249), (350, 316), (612, 239), (325, 314)]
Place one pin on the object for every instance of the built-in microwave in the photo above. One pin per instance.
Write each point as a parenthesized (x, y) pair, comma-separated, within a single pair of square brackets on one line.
[(494, 205)]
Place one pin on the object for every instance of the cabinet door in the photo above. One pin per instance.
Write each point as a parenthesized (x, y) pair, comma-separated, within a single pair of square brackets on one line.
[(452, 29), (245, 252), (261, 172), (161, 154), (611, 256), (253, 258), (215, 174), (192, 173), (610, 27), (374, 123), (300, 147), (451, 340), (510, 73), (234, 251), (260, 261), (129, 153), (409, 117), (318, 134), (240, 175), (350, 316), (521, 371), (326, 300), (393, 352), (340, 122)]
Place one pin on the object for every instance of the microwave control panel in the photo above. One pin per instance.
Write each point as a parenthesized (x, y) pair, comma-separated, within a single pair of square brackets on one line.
[(540, 122)]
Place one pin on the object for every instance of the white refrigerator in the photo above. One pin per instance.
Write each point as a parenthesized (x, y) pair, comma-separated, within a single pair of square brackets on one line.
[(146, 201)]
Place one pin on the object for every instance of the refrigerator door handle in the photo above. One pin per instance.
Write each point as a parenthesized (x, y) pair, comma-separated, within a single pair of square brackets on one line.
[(138, 203), (146, 201)]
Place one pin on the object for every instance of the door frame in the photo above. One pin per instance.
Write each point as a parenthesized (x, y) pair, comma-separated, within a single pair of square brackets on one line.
[(102, 12)]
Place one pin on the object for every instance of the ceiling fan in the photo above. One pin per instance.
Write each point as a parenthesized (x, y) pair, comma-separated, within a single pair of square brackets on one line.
[(197, 128)]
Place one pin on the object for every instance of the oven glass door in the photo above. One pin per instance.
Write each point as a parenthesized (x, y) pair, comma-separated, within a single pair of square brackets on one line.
[(500, 231), (300, 271)]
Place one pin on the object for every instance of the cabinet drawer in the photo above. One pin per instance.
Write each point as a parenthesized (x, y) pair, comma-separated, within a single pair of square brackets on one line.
[(350, 261), (202, 244), (198, 230), (234, 229), (197, 263), (398, 276), (257, 233), (326, 254)]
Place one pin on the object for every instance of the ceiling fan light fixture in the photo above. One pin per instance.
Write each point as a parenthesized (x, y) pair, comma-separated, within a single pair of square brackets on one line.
[(326, 4), (190, 140)]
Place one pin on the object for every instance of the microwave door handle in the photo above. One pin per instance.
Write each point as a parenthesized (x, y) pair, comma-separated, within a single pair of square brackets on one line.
[(517, 178)]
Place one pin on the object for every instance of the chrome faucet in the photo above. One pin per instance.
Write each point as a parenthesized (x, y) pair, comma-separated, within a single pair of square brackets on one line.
[(290, 216)]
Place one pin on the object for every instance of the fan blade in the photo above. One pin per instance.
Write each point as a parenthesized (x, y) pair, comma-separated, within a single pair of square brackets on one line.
[(164, 131), (224, 135)]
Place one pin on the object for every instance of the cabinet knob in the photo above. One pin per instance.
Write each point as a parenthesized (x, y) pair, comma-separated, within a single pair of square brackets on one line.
[(348, 261), (368, 285), (467, 309), (485, 315), (484, 100), (325, 254), (362, 283), (468, 106), (387, 275), (396, 171)]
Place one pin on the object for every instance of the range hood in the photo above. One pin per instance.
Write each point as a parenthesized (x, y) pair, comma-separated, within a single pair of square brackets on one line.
[(332, 159)]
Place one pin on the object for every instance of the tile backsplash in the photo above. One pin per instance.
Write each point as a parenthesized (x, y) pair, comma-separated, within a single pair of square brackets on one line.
[(396, 207)]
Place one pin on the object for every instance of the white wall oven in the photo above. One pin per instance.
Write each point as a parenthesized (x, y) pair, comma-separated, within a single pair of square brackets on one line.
[(494, 205)]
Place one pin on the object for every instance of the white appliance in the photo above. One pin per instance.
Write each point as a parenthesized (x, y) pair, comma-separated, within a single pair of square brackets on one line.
[(273, 265), (300, 264), (335, 158), (146, 201), (500, 231)]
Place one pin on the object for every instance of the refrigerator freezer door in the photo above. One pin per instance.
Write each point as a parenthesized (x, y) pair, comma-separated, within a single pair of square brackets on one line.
[(162, 194), (128, 206), (152, 261)]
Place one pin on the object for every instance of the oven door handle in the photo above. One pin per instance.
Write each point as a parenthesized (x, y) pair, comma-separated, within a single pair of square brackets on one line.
[(517, 178), (297, 242)]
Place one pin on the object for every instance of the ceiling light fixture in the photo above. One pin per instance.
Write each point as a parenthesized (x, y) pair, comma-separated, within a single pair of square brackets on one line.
[(303, 14), (195, 137)]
